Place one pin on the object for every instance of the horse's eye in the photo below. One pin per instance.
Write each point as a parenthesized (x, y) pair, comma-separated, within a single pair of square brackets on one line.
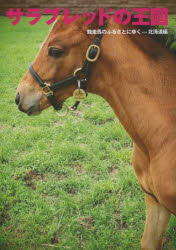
[(55, 52)]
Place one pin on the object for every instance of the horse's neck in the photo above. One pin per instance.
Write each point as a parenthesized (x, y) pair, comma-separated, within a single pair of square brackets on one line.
[(141, 90)]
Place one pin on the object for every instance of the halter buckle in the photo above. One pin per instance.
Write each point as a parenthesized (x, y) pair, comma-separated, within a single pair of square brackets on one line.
[(97, 55), (46, 89)]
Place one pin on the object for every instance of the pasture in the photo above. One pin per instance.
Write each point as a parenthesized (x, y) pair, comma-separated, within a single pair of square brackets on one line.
[(66, 182)]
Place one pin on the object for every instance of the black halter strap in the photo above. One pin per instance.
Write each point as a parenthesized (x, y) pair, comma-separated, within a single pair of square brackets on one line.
[(91, 56)]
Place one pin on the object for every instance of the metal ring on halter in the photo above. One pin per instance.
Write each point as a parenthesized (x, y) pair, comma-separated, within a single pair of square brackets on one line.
[(79, 74), (76, 71), (67, 111)]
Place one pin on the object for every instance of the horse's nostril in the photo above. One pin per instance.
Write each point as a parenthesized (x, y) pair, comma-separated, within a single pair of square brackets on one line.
[(17, 98)]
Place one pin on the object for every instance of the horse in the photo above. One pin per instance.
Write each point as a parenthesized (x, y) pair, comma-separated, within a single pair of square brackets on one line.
[(136, 75)]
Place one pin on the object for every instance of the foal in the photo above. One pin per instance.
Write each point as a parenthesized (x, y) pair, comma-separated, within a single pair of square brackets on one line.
[(137, 77)]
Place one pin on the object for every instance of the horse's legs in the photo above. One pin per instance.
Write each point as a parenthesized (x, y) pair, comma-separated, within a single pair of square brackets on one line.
[(157, 216), (157, 219)]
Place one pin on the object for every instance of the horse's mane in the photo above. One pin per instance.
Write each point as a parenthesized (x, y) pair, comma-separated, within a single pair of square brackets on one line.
[(167, 41)]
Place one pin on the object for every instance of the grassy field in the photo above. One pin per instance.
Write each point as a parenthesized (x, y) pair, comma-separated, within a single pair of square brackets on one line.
[(63, 181)]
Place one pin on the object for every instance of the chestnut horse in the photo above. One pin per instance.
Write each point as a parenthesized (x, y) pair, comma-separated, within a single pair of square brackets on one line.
[(136, 75)]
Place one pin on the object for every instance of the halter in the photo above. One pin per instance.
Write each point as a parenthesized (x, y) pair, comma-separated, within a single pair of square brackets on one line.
[(80, 75)]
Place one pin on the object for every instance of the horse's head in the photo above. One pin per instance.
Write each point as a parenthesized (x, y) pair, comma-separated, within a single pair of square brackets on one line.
[(59, 56)]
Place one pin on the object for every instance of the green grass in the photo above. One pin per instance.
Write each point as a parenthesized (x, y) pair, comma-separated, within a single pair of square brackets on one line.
[(64, 181)]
